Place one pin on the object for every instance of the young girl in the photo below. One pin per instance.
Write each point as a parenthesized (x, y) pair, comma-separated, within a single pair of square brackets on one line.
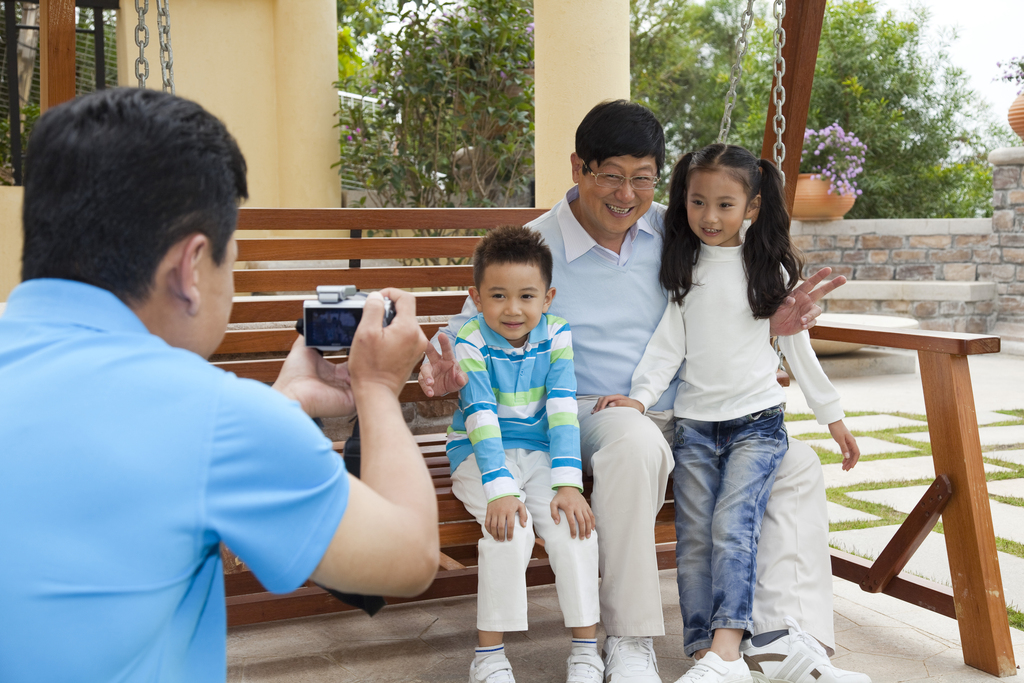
[(730, 436)]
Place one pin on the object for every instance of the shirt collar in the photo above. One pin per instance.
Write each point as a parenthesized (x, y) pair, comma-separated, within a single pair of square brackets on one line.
[(577, 240), (537, 335), (71, 303)]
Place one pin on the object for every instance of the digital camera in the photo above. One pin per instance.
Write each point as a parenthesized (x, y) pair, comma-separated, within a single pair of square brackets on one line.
[(329, 323)]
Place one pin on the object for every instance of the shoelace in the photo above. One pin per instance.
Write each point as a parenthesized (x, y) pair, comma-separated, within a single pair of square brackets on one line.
[(696, 672), (636, 653), (806, 638), (581, 672)]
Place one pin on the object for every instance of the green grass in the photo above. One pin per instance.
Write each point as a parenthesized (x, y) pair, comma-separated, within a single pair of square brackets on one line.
[(889, 516)]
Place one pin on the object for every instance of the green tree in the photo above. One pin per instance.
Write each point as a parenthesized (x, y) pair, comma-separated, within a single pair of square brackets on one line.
[(927, 132), (454, 122), (358, 22)]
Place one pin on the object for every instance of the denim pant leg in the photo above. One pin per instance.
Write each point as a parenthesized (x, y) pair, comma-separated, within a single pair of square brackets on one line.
[(723, 477), (695, 481), (752, 458)]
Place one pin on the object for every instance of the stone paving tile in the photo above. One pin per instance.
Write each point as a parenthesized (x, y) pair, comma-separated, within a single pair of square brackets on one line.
[(1009, 456), (1012, 488), (868, 445), (930, 560), (1007, 520), (990, 436), (860, 423), (838, 513), (894, 469), (986, 417)]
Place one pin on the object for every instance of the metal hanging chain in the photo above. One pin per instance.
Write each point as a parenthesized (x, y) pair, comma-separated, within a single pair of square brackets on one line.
[(737, 71), (142, 40), (779, 92), (163, 23)]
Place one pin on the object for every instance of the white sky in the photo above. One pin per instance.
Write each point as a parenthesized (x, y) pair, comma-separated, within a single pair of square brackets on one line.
[(988, 31)]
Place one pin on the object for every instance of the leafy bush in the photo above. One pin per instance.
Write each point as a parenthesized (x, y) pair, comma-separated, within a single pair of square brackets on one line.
[(453, 121)]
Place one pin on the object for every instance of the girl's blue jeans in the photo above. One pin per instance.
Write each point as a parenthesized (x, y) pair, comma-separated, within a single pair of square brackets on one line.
[(723, 476)]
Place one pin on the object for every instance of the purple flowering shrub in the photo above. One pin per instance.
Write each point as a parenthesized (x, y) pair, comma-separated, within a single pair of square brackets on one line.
[(837, 156), (1013, 72)]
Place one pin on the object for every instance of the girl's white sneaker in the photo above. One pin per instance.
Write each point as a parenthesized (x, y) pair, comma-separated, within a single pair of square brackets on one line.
[(713, 669)]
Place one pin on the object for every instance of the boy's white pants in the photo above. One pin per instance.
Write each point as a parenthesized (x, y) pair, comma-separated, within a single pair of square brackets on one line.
[(501, 587)]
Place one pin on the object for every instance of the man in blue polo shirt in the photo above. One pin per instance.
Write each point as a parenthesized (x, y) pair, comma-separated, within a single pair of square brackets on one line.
[(126, 458)]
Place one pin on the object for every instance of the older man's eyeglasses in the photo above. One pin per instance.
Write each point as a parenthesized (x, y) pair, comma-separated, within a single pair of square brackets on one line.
[(614, 180)]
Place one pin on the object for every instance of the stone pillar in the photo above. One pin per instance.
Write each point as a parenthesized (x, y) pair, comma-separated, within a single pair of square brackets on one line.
[(265, 68), (582, 54), (1008, 227)]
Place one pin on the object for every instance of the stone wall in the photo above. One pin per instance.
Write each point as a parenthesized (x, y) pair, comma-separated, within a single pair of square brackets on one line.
[(1008, 233), (959, 249)]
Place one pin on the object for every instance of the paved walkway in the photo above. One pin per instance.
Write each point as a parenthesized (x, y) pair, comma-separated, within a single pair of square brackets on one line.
[(886, 638)]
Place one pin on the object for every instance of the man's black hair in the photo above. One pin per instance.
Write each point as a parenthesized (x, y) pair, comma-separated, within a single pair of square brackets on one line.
[(512, 244), (618, 128), (114, 179)]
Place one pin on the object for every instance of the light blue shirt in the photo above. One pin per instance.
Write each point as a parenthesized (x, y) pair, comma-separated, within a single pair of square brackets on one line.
[(516, 398), (124, 462)]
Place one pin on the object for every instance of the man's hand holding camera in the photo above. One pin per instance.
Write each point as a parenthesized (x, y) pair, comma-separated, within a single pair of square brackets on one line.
[(380, 356)]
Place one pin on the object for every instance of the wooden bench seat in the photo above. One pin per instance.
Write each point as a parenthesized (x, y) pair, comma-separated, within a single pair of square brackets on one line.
[(270, 298)]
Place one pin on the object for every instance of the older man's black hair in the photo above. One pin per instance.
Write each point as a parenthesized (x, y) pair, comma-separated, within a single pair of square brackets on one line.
[(619, 128), (114, 179)]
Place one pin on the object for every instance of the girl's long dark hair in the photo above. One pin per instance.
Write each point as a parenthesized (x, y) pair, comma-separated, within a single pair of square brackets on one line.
[(766, 244)]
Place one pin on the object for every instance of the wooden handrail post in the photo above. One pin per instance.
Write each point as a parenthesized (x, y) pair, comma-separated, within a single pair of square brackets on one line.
[(802, 24), (967, 519), (57, 48)]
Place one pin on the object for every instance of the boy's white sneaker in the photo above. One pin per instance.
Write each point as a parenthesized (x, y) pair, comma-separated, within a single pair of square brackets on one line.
[(630, 659), (493, 669), (713, 669), (584, 667), (796, 658)]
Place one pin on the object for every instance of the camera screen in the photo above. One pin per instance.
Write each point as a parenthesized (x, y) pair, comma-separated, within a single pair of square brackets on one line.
[(331, 326)]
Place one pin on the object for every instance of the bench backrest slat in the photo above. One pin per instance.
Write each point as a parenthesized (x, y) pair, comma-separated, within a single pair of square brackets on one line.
[(382, 219), (278, 309), (307, 280), (317, 249)]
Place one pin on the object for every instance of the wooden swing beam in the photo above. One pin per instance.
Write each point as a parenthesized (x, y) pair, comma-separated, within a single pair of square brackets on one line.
[(977, 586)]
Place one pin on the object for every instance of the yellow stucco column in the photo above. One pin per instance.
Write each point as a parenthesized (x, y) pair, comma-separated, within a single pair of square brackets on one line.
[(10, 239), (265, 68), (582, 53)]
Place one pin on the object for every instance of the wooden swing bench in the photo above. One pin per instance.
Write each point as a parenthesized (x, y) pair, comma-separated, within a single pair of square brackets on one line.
[(336, 235)]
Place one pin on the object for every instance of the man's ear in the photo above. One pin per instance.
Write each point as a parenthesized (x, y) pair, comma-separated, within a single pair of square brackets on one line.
[(184, 277), (474, 294), (577, 168), (548, 298)]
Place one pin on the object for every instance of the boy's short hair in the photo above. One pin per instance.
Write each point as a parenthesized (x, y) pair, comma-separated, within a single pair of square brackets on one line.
[(618, 128), (512, 244)]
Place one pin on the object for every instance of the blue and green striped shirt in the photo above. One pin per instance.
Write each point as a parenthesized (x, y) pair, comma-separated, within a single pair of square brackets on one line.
[(516, 398)]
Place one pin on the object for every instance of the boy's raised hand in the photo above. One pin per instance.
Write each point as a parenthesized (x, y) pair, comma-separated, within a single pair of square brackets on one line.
[(500, 521), (617, 401), (570, 500), (847, 444)]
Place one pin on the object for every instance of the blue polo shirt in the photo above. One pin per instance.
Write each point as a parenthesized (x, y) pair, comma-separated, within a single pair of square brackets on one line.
[(124, 462)]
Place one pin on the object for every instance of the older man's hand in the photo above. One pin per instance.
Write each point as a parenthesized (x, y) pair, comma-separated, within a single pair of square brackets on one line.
[(800, 309), (440, 374)]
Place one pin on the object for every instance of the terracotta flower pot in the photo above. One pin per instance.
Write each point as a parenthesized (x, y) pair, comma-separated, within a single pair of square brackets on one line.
[(814, 203), (1016, 116)]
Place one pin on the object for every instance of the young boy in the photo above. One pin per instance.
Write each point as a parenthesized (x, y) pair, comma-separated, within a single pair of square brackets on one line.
[(514, 447)]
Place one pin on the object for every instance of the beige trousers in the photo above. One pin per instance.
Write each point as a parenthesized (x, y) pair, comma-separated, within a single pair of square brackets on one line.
[(630, 458), (501, 578)]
